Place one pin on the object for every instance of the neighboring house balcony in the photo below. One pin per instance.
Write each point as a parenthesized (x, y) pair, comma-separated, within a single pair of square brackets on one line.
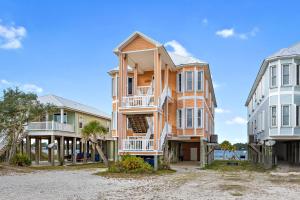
[(47, 128)]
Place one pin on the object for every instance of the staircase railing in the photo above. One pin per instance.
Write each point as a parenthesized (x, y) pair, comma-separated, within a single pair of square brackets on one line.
[(150, 128), (166, 130), (166, 93)]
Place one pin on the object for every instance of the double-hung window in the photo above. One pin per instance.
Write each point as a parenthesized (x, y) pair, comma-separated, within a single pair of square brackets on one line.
[(285, 115), (130, 86), (200, 81), (189, 118), (285, 74), (179, 82), (273, 76), (199, 118), (274, 116), (298, 74), (297, 115), (179, 118), (189, 80)]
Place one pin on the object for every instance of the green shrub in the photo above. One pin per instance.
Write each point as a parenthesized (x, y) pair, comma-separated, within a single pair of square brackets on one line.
[(131, 164), (21, 160)]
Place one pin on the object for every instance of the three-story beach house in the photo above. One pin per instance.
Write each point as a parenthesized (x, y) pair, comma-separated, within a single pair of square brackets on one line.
[(161, 102), (274, 109)]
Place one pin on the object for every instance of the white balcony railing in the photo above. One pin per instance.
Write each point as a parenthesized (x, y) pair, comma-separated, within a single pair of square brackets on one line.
[(138, 101), (138, 145), (50, 126)]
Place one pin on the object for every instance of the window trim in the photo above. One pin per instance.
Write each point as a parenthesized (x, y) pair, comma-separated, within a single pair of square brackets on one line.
[(186, 81), (271, 76), (289, 115), (132, 87), (276, 120), (200, 74), (297, 116), (289, 75), (201, 118), (186, 118), (179, 120)]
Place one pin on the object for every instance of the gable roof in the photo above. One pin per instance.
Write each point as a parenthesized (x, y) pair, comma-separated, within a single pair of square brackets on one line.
[(184, 60), (61, 102), (132, 37), (289, 51)]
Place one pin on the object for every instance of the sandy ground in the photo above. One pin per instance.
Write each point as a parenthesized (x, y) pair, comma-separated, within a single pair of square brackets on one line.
[(187, 183)]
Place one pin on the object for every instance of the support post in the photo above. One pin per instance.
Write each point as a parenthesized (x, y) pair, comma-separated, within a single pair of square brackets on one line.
[(61, 115), (68, 147), (93, 153), (37, 149), (156, 162), (74, 150), (84, 151), (28, 146), (202, 153), (52, 151), (62, 150), (49, 151)]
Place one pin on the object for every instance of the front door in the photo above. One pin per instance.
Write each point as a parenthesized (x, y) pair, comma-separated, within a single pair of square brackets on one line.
[(193, 154)]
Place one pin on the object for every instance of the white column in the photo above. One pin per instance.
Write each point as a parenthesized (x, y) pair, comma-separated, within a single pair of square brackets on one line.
[(61, 115)]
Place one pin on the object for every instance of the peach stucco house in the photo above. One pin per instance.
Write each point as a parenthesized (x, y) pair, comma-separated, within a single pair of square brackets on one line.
[(162, 103)]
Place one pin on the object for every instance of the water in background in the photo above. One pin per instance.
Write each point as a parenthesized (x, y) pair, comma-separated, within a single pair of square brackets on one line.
[(228, 155)]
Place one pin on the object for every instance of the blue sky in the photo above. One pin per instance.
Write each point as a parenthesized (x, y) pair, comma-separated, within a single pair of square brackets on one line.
[(65, 48)]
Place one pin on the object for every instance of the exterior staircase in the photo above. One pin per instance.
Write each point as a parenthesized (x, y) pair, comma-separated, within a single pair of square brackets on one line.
[(138, 123), (164, 96)]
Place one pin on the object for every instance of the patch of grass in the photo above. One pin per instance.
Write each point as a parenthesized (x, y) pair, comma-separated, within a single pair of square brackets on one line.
[(234, 189), (70, 167), (224, 165), (124, 175)]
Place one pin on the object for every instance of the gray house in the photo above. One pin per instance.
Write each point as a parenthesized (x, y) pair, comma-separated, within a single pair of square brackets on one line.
[(273, 110)]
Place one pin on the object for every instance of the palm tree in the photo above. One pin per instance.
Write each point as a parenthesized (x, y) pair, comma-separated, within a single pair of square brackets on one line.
[(91, 132)]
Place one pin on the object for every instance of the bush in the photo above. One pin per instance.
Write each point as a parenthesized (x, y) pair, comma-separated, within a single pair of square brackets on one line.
[(21, 160), (131, 164)]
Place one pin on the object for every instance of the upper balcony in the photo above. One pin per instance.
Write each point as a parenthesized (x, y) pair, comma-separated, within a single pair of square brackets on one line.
[(50, 126), (144, 98)]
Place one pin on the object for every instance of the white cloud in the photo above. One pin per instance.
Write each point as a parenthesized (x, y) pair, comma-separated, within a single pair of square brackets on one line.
[(4, 82), (226, 33), (205, 21), (177, 48), (11, 36), (237, 120), (216, 85), (230, 32), (31, 88), (28, 87), (221, 110)]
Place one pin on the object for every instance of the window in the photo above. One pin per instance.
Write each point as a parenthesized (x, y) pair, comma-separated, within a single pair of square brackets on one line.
[(199, 118), (200, 81), (285, 74), (298, 74), (179, 118), (130, 86), (189, 81), (297, 115), (56, 118), (189, 118), (274, 116), (273, 76), (179, 82), (113, 87), (206, 93), (285, 115), (114, 120)]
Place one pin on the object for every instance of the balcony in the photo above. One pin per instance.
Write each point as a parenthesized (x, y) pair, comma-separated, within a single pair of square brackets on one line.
[(50, 126), (144, 98), (138, 145)]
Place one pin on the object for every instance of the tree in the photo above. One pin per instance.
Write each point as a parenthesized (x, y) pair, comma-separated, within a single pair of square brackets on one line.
[(91, 132), (17, 108), (225, 146)]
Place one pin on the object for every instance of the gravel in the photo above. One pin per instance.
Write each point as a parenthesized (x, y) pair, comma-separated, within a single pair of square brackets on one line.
[(187, 183)]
